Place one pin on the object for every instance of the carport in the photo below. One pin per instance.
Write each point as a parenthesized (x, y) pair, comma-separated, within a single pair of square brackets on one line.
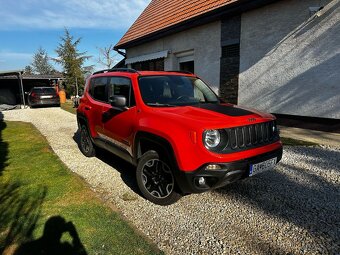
[(14, 84), (5, 90)]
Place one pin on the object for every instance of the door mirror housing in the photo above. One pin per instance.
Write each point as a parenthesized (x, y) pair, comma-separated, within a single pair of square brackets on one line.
[(118, 101)]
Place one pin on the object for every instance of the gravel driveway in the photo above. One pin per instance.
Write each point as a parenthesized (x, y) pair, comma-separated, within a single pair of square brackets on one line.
[(293, 209)]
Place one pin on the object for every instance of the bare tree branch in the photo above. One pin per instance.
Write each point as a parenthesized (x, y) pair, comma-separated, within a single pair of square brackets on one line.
[(106, 56)]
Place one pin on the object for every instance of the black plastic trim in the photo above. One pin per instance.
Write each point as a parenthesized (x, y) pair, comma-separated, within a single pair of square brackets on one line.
[(114, 149), (230, 172)]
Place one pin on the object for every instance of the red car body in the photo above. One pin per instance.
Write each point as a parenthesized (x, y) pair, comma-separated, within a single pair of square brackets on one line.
[(180, 130)]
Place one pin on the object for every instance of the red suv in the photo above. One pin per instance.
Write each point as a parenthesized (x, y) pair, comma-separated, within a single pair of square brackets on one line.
[(175, 130)]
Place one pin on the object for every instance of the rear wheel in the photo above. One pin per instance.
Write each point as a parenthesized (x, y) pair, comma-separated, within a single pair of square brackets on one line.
[(86, 145), (156, 180)]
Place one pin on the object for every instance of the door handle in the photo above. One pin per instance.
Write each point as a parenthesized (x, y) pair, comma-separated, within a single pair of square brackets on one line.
[(87, 108)]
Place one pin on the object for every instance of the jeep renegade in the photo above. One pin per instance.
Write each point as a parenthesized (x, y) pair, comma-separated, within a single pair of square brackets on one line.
[(180, 136)]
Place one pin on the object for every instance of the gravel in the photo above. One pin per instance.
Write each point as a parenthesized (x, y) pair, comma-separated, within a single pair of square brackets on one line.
[(293, 209)]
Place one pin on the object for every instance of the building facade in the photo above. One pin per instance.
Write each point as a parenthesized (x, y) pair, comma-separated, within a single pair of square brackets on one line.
[(278, 56)]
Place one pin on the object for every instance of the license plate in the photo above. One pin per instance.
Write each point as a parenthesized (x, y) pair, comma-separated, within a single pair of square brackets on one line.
[(262, 166), (43, 97)]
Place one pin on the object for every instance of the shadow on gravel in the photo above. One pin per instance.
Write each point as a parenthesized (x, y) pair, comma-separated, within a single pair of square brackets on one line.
[(299, 196), (126, 170), (326, 160)]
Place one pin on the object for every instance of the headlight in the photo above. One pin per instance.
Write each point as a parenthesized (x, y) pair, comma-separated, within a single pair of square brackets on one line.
[(211, 138)]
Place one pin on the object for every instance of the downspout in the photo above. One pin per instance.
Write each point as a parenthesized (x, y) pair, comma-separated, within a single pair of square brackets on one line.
[(120, 52)]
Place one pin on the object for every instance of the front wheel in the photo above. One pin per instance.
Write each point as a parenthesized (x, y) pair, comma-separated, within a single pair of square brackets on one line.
[(156, 180)]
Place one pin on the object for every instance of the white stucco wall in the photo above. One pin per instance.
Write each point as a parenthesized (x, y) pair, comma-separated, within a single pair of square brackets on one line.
[(205, 41), (290, 62)]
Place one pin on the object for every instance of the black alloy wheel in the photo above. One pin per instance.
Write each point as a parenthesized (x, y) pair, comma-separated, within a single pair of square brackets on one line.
[(156, 180)]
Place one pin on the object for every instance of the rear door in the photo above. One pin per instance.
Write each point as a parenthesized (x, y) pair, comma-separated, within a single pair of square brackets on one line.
[(94, 105), (119, 124)]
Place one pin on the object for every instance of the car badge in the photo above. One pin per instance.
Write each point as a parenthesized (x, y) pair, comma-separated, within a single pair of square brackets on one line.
[(251, 119)]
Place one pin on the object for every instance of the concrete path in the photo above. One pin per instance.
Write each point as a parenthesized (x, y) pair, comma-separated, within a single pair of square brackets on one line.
[(319, 137)]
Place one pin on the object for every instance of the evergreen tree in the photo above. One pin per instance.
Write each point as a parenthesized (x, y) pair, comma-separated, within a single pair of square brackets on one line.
[(40, 64), (72, 62), (28, 70)]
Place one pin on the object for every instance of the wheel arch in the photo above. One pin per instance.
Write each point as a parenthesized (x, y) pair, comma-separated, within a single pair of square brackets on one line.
[(81, 119), (145, 141)]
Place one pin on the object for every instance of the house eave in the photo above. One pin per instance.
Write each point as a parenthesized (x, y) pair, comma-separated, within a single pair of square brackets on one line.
[(218, 14)]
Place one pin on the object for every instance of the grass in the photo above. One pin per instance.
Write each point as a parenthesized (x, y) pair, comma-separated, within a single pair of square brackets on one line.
[(35, 186), (293, 142), (68, 106)]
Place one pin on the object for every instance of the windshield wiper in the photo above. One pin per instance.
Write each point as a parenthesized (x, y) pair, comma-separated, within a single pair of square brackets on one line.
[(160, 105)]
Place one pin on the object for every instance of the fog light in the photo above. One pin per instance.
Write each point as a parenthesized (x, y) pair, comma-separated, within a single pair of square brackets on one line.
[(201, 181), (213, 167)]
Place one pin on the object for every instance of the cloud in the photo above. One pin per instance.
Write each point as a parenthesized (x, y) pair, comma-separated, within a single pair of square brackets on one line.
[(10, 60), (56, 14), (15, 55)]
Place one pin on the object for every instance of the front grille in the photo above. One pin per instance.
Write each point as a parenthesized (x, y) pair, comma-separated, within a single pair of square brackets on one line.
[(247, 137)]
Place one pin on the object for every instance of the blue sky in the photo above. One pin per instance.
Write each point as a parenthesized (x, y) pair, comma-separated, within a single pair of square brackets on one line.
[(28, 24)]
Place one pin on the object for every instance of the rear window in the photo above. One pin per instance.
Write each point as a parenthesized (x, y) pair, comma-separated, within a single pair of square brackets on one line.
[(44, 90)]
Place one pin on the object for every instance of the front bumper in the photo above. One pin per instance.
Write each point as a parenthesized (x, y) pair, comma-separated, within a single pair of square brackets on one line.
[(188, 182)]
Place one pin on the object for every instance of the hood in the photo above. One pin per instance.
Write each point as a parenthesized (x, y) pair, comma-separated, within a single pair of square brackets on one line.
[(213, 115)]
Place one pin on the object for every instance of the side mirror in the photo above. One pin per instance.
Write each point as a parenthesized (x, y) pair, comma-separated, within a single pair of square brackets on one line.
[(118, 101)]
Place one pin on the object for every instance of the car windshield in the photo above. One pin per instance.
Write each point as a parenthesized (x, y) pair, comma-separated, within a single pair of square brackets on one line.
[(44, 90), (174, 90)]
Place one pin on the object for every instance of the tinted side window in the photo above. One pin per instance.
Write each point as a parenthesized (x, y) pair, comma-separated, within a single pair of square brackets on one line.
[(98, 88), (120, 86)]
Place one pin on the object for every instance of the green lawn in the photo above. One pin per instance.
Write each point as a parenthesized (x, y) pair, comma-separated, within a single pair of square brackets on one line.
[(36, 186), (68, 106)]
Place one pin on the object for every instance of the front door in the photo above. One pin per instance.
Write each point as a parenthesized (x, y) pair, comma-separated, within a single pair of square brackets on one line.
[(119, 124)]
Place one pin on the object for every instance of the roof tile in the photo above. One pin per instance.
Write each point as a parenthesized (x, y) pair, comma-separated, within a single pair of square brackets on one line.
[(161, 14)]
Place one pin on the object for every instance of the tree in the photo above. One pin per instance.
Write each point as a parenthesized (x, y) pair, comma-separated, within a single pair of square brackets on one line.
[(40, 64), (106, 58), (28, 70), (72, 62)]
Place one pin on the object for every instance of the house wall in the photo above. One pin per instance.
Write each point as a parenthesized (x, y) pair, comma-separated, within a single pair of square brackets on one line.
[(204, 42), (290, 62)]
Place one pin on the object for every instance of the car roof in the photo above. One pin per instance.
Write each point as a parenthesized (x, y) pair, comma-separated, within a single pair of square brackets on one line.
[(132, 72)]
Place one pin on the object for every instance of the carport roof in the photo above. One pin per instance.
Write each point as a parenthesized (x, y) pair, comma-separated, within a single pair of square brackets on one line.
[(11, 72), (13, 75)]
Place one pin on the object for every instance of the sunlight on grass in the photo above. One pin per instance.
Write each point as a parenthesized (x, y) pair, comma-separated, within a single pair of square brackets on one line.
[(35, 185), (68, 106)]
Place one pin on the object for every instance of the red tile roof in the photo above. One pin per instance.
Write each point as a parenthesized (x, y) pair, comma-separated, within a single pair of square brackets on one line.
[(162, 14)]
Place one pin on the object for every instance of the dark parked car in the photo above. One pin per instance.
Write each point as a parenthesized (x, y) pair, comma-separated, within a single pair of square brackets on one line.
[(43, 96)]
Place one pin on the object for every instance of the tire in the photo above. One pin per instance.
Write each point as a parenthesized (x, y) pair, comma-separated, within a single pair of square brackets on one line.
[(86, 144), (155, 179)]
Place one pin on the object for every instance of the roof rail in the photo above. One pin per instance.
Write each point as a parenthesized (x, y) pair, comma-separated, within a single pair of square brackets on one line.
[(186, 72), (127, 70)]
